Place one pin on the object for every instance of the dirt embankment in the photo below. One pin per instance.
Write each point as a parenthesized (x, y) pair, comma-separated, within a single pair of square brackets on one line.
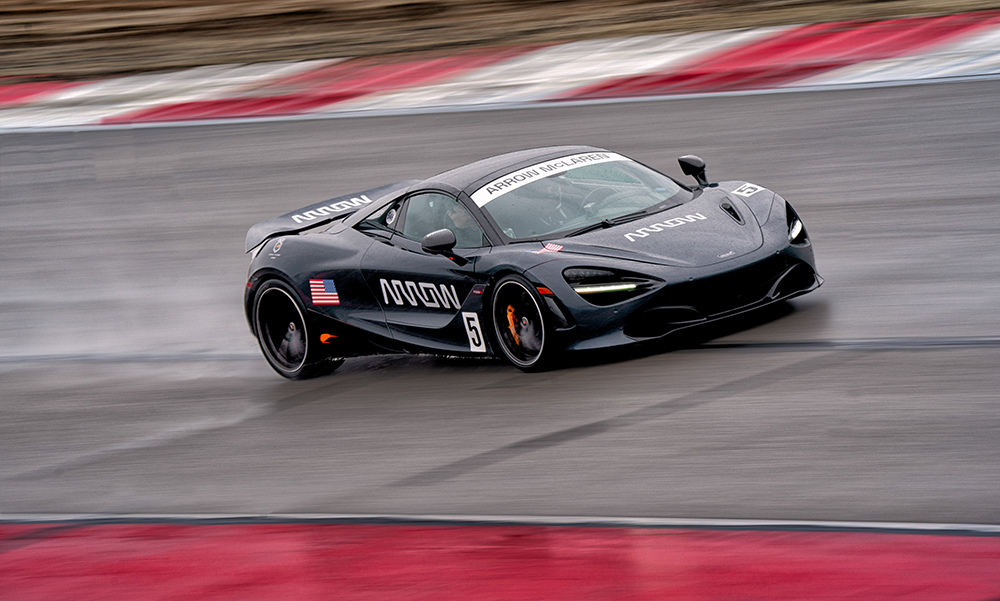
[(78, 39)]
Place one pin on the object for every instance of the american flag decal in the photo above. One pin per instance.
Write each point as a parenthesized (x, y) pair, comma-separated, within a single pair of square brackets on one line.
[(549, 248), (324, 292)]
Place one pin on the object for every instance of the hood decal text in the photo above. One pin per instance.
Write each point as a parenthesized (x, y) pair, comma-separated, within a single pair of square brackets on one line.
[(662, 225)]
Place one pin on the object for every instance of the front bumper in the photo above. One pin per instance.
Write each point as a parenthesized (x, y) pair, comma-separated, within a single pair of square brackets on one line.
[(689, 297)]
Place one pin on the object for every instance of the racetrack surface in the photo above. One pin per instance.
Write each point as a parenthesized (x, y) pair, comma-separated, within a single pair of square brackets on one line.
[(131, 384)]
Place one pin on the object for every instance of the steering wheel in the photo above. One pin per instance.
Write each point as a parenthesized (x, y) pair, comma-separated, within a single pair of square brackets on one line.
[(593, 197), (597, 194)]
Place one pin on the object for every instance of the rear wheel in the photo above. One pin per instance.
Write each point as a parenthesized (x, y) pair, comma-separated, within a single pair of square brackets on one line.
[(518, 323), (284, 336)]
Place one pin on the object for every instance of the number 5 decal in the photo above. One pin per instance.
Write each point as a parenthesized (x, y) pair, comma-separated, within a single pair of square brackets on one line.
[(476, 342)]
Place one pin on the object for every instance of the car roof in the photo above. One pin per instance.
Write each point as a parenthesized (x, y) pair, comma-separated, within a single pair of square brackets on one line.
[(469, 178)]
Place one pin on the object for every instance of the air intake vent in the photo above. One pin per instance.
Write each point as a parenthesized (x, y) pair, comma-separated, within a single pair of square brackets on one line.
[(732, 212), (660, 321), (797, 279)]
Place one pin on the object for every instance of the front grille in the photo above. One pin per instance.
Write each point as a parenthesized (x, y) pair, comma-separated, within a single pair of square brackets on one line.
[(658, 321), (684, 304), (729, 291)]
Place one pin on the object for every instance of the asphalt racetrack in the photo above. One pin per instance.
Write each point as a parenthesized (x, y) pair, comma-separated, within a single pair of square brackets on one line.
[(131, 385)]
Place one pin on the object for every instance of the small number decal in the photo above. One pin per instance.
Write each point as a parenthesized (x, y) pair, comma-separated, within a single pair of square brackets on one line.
[(476, 342)]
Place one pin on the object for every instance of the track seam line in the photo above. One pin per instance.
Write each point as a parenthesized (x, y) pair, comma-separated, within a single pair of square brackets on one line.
[(866, 344), (460, 467), (502, 520)]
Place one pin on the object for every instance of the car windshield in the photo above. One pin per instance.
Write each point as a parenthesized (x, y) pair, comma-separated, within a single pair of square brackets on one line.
[(574, 193)]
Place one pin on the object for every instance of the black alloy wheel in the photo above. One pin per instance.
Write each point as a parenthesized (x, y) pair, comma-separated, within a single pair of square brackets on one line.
[(283, 334), (518, 323)]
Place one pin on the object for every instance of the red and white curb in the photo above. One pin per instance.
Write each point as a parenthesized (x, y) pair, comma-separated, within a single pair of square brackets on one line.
[(849, 53), (973, 55), (550, 72), (479, 559)]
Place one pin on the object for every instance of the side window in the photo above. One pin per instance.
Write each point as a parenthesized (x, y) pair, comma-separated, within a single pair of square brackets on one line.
[(426, 213)]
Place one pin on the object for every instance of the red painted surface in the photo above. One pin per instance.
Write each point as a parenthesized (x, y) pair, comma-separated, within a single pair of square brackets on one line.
[(794, 54), (315, 89), (404, 562), (26, 93)]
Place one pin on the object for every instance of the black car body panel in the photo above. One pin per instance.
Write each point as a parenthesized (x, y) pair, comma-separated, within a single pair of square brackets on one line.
[(528, 277), (318, 214)]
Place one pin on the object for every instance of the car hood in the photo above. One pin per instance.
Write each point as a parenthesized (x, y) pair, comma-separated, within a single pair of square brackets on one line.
[(712, 228)]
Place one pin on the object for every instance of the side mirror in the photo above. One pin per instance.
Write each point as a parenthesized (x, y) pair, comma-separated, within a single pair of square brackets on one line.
[(692, 165), (439, 242)]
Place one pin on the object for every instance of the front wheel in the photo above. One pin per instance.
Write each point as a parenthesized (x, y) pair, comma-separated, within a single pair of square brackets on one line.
[(284, 336), (519, 324)]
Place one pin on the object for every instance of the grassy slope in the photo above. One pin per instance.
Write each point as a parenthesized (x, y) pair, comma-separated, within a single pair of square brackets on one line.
[(77, 39)]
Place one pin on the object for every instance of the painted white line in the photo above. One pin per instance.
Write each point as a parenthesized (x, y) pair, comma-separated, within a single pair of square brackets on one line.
[(90, 103), (374, 113), (912, 68), (579, 521), (54, 117), (972, 56), (216, 81)]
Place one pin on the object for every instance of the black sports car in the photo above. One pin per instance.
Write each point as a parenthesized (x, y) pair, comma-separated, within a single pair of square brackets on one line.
[(523, 255)]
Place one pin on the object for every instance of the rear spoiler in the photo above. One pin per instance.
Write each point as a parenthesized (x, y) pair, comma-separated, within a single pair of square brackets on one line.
[(319, 213)]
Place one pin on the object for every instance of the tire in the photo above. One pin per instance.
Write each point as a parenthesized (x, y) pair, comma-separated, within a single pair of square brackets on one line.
[(519, 326), (284, 336)]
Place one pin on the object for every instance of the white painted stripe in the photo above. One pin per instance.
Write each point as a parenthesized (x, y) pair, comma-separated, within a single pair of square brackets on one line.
[(550, 71), (458, 108), (64, 116), (977, 55), (241, 82), (91, 103), (625, 522), (217, 81)]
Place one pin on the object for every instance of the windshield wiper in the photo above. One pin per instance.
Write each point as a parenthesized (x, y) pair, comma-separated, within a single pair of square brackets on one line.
[(606, 223)]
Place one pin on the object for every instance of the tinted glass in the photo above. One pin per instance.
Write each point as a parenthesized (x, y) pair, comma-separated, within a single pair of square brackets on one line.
[(556, 197), (426, 213)]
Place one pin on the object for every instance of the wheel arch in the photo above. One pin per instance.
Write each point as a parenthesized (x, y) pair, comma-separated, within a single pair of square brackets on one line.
[(491, 286), (254, 282)]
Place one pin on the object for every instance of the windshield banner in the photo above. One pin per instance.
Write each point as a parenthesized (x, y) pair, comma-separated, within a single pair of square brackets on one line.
[(513, 181)]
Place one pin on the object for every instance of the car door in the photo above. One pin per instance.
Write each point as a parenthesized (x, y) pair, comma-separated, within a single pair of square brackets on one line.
[(428, 299)]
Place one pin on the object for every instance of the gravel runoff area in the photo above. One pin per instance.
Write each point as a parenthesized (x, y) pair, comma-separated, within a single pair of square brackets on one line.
[(82, 39)]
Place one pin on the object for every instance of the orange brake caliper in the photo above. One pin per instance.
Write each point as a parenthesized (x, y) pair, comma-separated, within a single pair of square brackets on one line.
[(510, 324)]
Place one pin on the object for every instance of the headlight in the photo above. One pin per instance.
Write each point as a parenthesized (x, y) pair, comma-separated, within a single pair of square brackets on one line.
[(604, 287), (796, 231)]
